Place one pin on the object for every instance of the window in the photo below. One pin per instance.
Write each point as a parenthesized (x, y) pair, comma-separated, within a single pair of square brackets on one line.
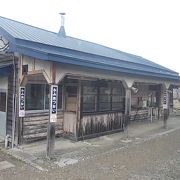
[(118, 98), (46, 95), (89, 98), (24, 69), (37, 96), (71, 91), (71, 98), (3, 101), (102, 96), (60, 100)]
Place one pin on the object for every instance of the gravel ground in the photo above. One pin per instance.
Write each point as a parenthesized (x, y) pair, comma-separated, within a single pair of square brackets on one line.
[(156, 158)]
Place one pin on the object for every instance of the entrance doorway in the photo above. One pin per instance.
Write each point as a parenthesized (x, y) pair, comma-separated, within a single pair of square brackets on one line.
[(70, 114)]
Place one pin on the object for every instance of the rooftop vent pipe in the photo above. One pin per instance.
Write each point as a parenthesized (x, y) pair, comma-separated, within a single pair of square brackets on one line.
[(62, 32)]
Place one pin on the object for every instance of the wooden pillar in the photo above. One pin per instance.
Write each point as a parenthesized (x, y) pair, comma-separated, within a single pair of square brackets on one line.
[(127, 105), (165, 105), (159, 98), (51, 133), (50, 139), (21, 113), (52, 120), (79, 110)]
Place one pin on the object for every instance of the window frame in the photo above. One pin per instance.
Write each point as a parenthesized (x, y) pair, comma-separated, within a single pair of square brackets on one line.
[(6, 98), (97, 87), (44, 101), (44, 110), (62, 97)]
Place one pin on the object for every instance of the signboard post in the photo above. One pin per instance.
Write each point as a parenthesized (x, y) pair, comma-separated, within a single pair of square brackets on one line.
[(165, 107), (165, 100), (52, 120), (53, 104), (21, 110), (21, 101)]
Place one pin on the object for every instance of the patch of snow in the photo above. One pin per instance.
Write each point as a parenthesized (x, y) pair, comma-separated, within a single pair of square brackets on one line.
[(126, 140), (66, 161), (106, 138), (5, 165)]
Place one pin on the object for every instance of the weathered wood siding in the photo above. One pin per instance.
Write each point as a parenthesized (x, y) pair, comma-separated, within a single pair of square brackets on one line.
[(101, 124), (9, 106), (35, 126), (69, 127), (4, 61)]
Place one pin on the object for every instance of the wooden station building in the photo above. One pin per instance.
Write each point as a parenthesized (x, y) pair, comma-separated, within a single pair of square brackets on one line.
[(100, 89)]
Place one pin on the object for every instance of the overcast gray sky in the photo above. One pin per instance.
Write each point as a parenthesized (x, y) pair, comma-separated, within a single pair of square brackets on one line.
[(149, 28)]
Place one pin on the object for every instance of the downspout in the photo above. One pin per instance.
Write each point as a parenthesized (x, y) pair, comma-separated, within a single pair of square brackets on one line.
[(14, 102)]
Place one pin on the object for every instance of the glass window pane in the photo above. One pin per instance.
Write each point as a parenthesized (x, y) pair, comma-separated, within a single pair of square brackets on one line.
[(71, 91), (117, 98), (89, 99), (3, 101), (117, 105), (35, 96), (116, 90), (71, 98), (47, 95), (104, 98), (89, 103), (59, 97), (89, 90)]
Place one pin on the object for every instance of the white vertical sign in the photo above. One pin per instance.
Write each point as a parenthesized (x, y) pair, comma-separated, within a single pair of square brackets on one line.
[(165, 100), (53, 103), (21, 101)]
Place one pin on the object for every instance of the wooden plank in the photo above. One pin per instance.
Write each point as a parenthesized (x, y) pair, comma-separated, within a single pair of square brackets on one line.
[(37, 130), (35, 127), (34, 123), (39, 136)]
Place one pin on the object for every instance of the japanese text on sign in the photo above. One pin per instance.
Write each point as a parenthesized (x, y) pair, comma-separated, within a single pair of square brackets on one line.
[(54, 99), (22, 102), (53, 110), (165, 100)]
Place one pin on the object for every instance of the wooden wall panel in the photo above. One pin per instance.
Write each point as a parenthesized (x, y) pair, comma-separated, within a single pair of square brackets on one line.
[(35, 126), (101, 123), (70, 119), (4, 61)]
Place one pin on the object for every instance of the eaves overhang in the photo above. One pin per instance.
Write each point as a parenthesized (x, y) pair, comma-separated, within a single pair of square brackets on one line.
[(92, 57), (87, 60), (10, 39), (69, 56)]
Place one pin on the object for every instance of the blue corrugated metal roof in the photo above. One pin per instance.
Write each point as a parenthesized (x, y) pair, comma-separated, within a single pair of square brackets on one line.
[(48, 45)]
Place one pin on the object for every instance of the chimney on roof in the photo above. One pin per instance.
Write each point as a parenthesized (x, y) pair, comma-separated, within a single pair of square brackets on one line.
[(62, 32)]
